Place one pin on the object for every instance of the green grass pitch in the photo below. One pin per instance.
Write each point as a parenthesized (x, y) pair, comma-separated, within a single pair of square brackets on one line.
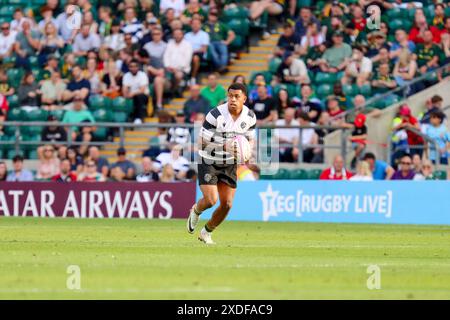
[(156, 259)]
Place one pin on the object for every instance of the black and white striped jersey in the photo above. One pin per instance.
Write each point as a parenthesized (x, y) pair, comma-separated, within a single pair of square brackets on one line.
[(218, 127)]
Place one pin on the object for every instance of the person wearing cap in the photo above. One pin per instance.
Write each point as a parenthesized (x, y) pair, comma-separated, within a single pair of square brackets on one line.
[(179, 135), (408, 121), (292, 70), (358, 137), (126, 165), (438, 132), (336, 58), (19, 174), (359, 69)]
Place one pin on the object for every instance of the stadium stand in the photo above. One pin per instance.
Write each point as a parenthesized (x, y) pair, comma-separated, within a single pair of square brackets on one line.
[(168, 62)]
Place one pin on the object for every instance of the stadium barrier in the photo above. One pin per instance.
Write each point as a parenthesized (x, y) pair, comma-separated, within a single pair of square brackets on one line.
[(387, 202), (97, 200)]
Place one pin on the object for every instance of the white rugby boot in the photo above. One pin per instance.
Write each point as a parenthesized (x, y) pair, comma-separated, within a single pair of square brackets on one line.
[(192, 220), (205, 237)]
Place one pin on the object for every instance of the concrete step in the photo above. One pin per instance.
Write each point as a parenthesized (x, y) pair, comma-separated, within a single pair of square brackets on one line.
[(135, 139), (243, 68), (114, 147), (130, 152)]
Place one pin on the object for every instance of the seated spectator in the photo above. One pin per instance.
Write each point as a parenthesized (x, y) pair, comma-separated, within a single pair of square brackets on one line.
[(195, 104), (19, 19), (88, 18), (221, 37), (156, 49), (288, 41), (111, 82), (19, 174), (415, 141), (213, 92), (445, 43), (106, 21), (7, 40), (135, 86), (85, 41), (416, 163), (427, 54), (359, 102), (27, 44), (358, 18), (438, 132), (48, 164), (78, 114), (177, 58), (148, 173), (337, 171), (258, 7), (312, 38), (177, 5), (283, 102), (264, 106), (131, 25), (174, 158), (179, 134), (53, 132), (358, 137), (307, 103), (199, 41), (126, 165), (50, 44), (432, 105), (167, 174), (193, 7), (292, 70), (401, 43), (115, 40), (363, 172), (3, 171), (301, 25), (90, 173), (404, 172), (380, 169), (405, 68), (313, 57), (102, 162), (52, 91), (65, 174), (359, 69), (336, 57), (334, 114), (426, 173), (116, 175), (258, 80), (288, 138), (28, 92), (383, 80), (376, 42), (417, 32), (78, 88), (93, 75), (76, 160)]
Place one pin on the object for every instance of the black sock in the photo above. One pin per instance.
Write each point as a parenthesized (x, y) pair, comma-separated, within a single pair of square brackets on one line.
[(207, 229)]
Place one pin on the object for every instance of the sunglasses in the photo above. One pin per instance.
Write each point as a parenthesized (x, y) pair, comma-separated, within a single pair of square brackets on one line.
[(5, 28)]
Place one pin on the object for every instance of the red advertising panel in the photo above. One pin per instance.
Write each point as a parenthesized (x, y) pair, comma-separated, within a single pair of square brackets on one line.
[(97, 200)]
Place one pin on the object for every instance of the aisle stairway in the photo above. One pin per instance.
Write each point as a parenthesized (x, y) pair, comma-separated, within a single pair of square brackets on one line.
[(248, 63)]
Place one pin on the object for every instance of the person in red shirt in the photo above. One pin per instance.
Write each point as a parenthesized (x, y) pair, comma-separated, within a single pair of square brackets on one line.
[(417, 31), (358, 18), (65, 174), (409, 121), (337, 171)]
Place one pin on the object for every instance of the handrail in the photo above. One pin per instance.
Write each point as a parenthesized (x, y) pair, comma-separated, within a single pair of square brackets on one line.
[(382, 96)]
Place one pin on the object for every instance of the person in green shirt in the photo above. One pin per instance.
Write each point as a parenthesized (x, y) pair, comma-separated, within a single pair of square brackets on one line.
[(214, 92), (221, 37), (336, 58), (383, 80), (427, 54), (78, 114)]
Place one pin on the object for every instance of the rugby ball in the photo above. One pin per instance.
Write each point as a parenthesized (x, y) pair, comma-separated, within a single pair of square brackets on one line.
[(242, 149)]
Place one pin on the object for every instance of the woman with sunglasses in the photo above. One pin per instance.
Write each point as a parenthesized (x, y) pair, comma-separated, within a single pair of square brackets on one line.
[(48, 164)]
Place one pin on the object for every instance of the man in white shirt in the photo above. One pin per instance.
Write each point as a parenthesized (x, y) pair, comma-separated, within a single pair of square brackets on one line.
[(199, 40), (178, 6), (359, 69), (288, 137), (178, 57), (135, 86), (7, 39), (179, 163), (85, 41)]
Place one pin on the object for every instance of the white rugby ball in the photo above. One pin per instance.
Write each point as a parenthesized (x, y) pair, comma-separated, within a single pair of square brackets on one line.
[(242, 148)]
